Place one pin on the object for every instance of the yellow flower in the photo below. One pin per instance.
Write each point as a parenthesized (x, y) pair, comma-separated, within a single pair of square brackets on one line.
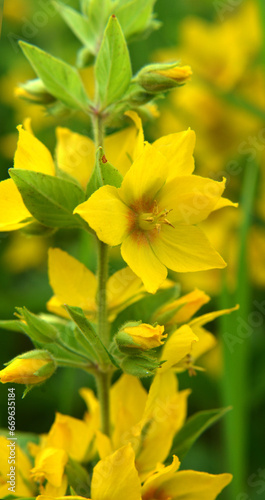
[(141, 336), (114, 478), (75, 154), (25, 371), (24, 486), (148, 421), (182, 309), (76, 285), (169, 483), (154, 214)]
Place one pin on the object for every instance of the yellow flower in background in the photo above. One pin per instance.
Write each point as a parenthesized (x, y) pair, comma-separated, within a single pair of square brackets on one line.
[(26, 370), (24, 486), (169, 483), (23, 252), (154, 215), (74, 284), (48, 471)]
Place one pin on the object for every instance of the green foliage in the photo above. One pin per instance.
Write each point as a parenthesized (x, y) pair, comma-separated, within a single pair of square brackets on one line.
[(49, 199), (78, 477), (113, 66), (140, 366), (135, 16), (103, 173), (60, 79), (193, 429)]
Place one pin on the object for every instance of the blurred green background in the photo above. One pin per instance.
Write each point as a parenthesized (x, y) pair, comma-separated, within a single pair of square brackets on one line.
[(229, 123)]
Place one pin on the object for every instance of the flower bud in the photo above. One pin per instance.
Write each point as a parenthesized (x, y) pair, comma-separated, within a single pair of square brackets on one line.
[(139, 336), (162, 77), (34, 91), (31, 368)]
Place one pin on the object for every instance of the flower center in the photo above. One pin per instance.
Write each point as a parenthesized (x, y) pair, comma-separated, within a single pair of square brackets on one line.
[(153, 220)]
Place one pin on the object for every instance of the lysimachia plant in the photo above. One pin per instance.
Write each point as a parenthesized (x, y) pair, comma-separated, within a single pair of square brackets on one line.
[(129, 193)]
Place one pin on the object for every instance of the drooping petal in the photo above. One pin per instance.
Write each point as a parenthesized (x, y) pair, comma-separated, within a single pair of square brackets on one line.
[(75, 154), (177, 347), (123, 288), (192, 485), (71, 281), (12, 208), (106, 213), (191, 198), (165, 413), (144, 179), (178, 149), (138, 254), (50, 464), (185, 307), (128, 399), (186, 249), (224, 202), (207, 341), (116, 478), (31, 154)]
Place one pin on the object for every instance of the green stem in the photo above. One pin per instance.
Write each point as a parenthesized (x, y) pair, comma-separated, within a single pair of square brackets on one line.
[(236, 347), (103, 389), (102, 378), (103, 326)]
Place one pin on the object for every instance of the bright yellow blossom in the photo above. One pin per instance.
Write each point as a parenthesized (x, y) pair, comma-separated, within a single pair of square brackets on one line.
[(75, 285), (153, 214), (48, 471), (141, 336)]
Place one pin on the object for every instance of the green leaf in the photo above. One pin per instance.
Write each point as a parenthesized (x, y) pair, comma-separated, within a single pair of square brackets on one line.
[(140, 366), (50, 200), (113, 66), (98, 12), (46, 331), (78, 477), (13, 325), (134, 15), (193, 428), (61, 80), (81, 26), (103, 173), (88, 331)]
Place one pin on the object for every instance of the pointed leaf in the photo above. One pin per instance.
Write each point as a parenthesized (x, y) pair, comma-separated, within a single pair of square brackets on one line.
[(113, 66), (81, 26), (104, 173), (193, 428), (50, 200), (87, 329), (60, 79), (134, 15)]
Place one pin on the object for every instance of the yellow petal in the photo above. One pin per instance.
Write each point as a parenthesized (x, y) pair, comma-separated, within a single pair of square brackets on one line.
[(24, 486), (191, 198), (123, 288), (193, 485), (138, 254), (206, 342), (144, 179), (185, 249), (128, 399), (31, 154), (116, 478), (50, 464), (104, 445), (178, 149), (54, 305), (206, 318), (177, 347), (71, 281), (70, 434), (106, 213), (156, 480), (75, 154), (165, 413), (123, 147), (224, 202), (185, 307), (12, 208)]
